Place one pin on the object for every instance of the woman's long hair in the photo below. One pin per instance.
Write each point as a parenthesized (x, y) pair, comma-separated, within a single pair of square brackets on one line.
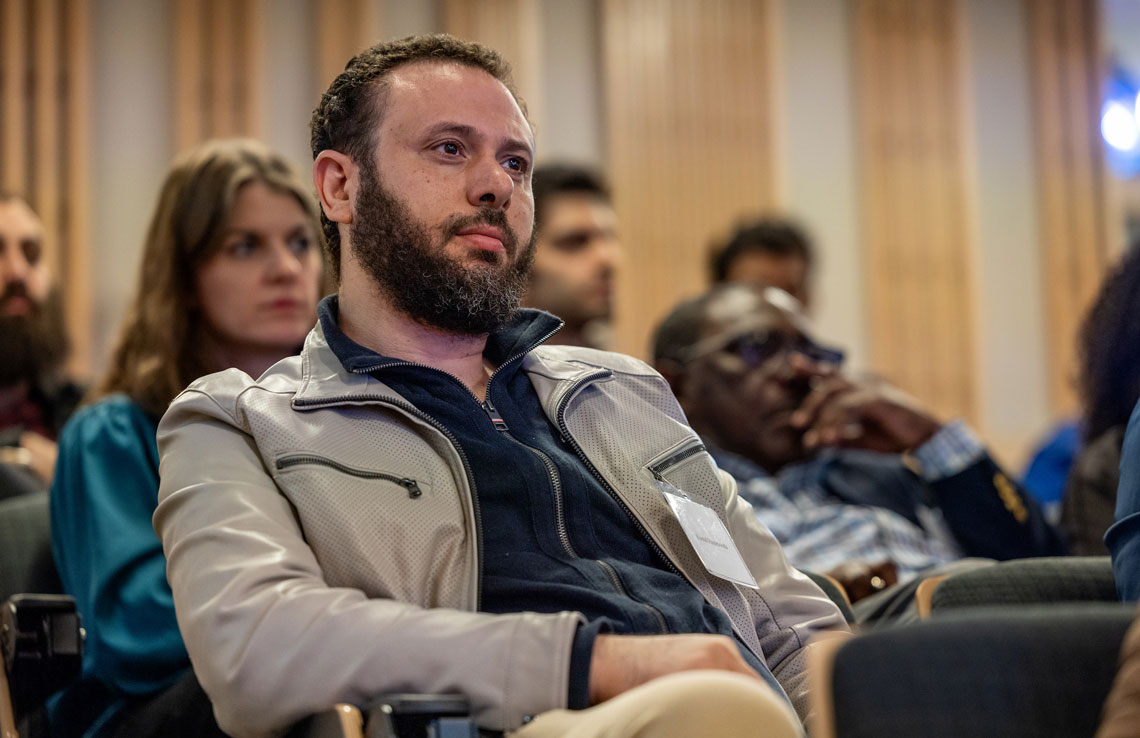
[(157, 355), (1108, 349)]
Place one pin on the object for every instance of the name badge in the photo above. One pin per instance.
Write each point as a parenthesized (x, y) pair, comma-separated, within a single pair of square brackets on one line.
[(708, 536)]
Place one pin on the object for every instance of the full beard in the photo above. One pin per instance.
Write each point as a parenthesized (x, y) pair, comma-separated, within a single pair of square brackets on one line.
[(419, 277), (34, 345)]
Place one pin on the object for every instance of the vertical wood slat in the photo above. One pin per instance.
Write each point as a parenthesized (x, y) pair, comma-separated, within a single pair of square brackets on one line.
[(45, 176), (511, 27), (919, 268), (342, 28), (13, 122), (1064, 47), (188, 98), (77, 165), (219, 69), (691, 143)]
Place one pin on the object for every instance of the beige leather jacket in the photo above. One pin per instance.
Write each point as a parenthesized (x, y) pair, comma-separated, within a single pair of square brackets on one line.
[(322, 540)]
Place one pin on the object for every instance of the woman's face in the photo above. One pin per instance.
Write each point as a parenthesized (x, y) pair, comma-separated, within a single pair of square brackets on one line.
[(258, 292)]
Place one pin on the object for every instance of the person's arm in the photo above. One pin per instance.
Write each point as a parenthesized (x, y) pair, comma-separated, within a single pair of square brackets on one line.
[(990, 514), (108, 556), (272, 642), (790, 610), (1123, 538)]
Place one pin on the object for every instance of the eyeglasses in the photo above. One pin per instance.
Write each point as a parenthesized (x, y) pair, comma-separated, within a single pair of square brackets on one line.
[(756, 347)]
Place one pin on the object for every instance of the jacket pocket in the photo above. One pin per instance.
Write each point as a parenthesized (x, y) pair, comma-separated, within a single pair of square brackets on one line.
[(291, 460), (661, 466)]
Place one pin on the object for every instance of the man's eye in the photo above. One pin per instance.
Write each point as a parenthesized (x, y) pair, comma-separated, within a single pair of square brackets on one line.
[(516, 164), (32, 251), (449, 147)]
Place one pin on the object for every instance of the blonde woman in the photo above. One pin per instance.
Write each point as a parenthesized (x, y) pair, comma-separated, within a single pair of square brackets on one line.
[(230, 277)]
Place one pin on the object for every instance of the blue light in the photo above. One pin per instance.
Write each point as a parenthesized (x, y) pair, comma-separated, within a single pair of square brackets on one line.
[(1118, 126)]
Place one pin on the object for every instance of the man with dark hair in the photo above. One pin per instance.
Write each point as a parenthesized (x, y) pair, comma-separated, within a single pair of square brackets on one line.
[(576, 252), (429, 499), (34, 398), (853, 477), (768, 251)]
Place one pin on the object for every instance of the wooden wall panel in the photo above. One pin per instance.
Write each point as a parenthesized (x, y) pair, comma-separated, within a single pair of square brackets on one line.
[(343, 28), (511, 27), (917, 250), (1065, 49), (218, 69), (689, 110), (44, 145)]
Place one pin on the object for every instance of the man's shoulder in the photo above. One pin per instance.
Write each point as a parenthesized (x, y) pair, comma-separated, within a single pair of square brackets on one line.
[(230, 387), (558, 357)]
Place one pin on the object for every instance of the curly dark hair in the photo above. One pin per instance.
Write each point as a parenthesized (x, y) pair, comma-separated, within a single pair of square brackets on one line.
[(1108, 348), (350, 110), (768, 235)]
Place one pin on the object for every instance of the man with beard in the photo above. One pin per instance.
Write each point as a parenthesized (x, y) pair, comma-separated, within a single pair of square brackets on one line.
[(576, 252), (429, 499), (34, 399), (852, 477)]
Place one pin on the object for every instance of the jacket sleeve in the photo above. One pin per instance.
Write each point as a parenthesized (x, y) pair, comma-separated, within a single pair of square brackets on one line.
[(271, 642), (792, 609), (1123, 538), (992, 516), (103, 496)]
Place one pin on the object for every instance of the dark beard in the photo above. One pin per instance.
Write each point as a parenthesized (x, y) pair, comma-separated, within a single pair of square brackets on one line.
[(421, 279), (34, 345)]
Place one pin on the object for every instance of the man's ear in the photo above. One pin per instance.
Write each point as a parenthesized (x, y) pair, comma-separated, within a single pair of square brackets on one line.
[(334, 175)]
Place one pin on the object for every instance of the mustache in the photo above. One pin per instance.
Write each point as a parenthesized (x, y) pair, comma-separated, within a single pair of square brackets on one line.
[(14, 289), (494, 218)]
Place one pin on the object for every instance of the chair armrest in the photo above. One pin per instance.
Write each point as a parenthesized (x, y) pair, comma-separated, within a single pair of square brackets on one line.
[(41, 641)]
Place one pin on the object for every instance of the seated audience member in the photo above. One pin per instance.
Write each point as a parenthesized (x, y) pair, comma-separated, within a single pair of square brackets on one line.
[(35, 399), (428, 499), (1123, 538), (839, 470), (229, 278), (576, 252), (767, 251), (1109, 384)]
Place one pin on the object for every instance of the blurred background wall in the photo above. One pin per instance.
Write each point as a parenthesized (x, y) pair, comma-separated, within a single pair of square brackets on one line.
[(945, 154)]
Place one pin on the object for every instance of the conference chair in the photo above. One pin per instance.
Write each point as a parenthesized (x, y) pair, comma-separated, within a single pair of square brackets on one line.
[(1010, 672), (1053, 579)]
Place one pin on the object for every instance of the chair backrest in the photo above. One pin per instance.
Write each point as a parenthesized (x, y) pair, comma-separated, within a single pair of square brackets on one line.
[(1028, 581), (1041, 671), (26, 563), (834, 592)]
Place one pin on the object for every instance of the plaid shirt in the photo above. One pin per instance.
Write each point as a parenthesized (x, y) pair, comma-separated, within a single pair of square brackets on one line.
[(820, 531)]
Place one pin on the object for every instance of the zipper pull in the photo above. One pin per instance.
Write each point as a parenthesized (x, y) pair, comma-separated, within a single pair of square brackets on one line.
[(493, 414), (414, 490)]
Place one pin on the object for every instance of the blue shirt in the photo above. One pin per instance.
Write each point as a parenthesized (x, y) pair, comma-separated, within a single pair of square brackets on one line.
[(553, 536), (1123, 538), (109, 558)]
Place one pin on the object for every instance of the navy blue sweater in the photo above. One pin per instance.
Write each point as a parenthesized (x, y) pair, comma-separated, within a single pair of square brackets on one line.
[(553, 536)]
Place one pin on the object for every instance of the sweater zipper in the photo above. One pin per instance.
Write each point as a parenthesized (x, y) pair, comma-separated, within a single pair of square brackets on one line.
[(560, 513), (407, 483)]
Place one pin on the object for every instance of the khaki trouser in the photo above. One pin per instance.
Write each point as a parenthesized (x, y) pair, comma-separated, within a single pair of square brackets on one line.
[(688, 704)]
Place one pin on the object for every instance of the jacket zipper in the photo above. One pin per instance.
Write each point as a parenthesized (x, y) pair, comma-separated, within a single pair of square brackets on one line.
[(560, 513), (560, 414), (658, 470), (407, 483)]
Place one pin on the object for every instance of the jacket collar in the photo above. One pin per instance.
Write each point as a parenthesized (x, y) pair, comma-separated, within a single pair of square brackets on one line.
[(333, 365)]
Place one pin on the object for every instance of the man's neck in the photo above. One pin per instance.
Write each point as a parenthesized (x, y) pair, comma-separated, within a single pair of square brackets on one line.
[(370, 319)]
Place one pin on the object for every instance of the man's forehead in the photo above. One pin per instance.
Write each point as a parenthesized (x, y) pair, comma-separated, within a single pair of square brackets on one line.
[(17, 217), (429, 92), (743, 308)]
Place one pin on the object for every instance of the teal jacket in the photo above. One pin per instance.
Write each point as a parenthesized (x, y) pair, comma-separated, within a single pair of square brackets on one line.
[(110, 559)]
